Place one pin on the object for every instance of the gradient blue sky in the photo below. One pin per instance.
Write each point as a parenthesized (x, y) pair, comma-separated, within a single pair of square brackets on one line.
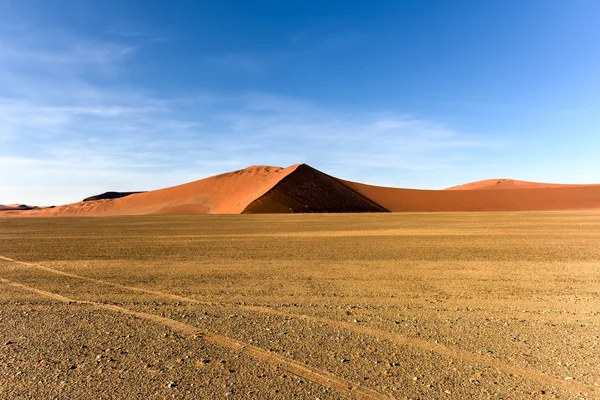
[(135, 95)]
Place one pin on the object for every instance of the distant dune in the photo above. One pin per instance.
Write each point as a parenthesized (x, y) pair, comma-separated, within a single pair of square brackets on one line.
[(109, 196), (16, 207), (495, 184), (303, 189), (554, 197)]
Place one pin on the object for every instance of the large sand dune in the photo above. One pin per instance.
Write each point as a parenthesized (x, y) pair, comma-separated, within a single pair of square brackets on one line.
[(228, 193), (300, 188)]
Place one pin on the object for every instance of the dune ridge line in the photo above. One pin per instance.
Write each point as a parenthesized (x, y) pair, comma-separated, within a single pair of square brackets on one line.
[(302, 189)]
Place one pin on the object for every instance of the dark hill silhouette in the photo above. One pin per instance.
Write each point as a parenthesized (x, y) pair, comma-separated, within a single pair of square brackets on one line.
[(109, 196), (307, 190)]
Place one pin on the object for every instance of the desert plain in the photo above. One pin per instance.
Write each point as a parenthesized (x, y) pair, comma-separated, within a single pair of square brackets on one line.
[(498, 305)]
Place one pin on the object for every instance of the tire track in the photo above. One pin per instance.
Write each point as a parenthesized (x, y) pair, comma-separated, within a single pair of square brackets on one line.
[(320, 377), (390, 336), (437, 348), (107, 283)]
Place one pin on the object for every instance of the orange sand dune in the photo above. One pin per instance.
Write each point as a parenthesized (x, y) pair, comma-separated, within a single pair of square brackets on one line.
[(495, 184), (228, 193), (527, 199), (300, 188)]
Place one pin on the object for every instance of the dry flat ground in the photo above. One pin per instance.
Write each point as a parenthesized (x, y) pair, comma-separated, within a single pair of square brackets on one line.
[(429, 306)]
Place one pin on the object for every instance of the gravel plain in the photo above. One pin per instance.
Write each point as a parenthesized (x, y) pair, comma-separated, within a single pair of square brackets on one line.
[(366, 306)]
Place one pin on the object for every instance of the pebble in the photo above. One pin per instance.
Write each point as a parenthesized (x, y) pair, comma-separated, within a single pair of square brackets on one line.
[(230, 393)]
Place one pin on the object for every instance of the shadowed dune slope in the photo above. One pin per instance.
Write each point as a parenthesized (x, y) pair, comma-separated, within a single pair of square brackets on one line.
[(527, 199), (496, 184), (307, 190)]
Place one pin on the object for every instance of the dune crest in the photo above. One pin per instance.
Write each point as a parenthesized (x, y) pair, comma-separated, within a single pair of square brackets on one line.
[(308, 190), (502, 183)]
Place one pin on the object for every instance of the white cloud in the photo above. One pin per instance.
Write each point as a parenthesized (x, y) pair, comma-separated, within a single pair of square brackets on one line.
[(64, 137)]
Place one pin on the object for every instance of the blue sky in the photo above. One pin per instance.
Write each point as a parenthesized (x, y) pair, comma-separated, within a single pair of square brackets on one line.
[(135, 95)]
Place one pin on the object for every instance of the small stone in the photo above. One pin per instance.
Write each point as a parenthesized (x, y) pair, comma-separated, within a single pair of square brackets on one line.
[(230, 393), (9, 342), (172, 384), (415, 378), (569, 378), (345, 360)]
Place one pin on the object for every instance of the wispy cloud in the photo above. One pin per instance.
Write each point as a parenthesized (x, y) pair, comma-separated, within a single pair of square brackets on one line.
[(63, 136)]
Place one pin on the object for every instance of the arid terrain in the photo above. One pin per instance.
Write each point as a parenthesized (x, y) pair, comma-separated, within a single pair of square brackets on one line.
[(307, 306)]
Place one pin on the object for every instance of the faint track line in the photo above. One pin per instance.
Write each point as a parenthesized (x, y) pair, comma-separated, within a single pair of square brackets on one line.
[(321, 377), (436, 348), (390, 336), (101, 282)]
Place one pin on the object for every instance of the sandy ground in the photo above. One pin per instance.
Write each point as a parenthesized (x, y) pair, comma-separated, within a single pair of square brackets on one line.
[(373, 306)]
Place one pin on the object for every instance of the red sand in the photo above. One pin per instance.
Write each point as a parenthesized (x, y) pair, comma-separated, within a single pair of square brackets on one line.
[(501, 183), (537, 199), (228, 193), (300, 188)]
